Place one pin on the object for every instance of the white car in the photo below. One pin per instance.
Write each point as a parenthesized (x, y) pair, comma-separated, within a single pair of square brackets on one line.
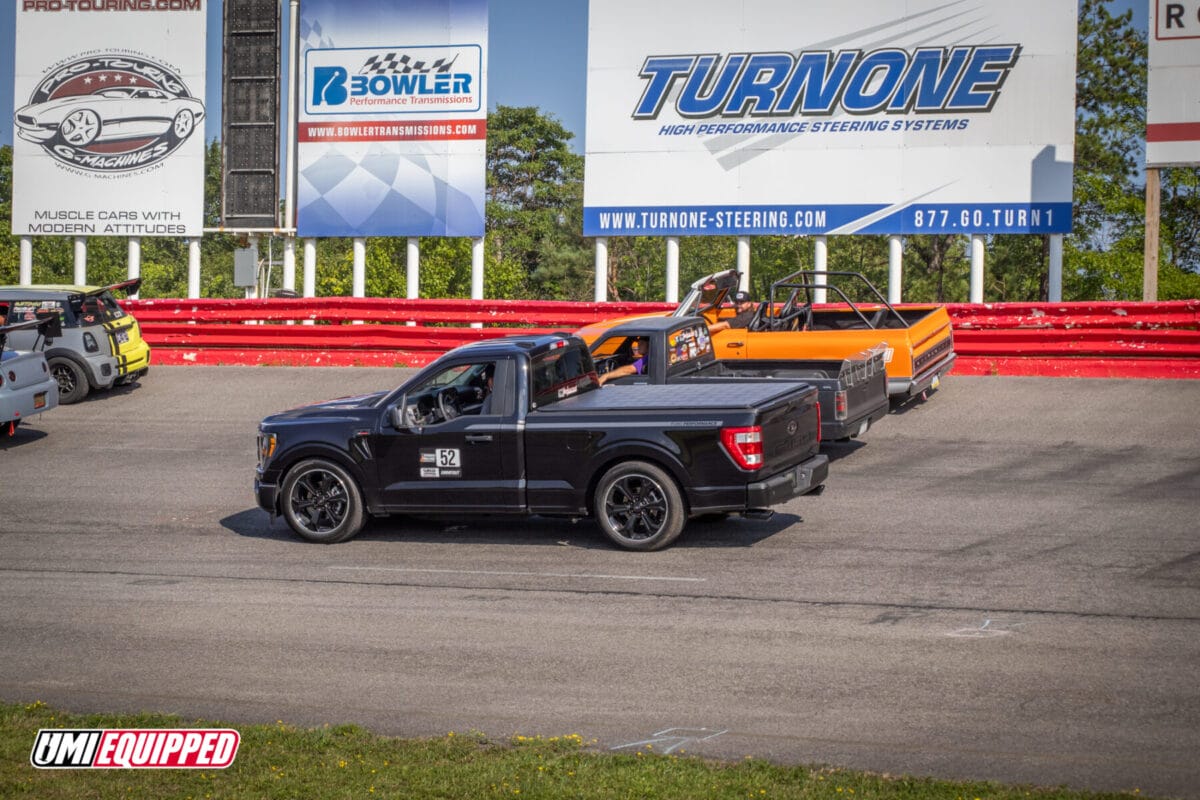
[(113, 114), (26, 385)]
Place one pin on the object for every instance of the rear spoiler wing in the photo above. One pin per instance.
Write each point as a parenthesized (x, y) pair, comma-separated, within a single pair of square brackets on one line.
[(48, 324), (129, 287)]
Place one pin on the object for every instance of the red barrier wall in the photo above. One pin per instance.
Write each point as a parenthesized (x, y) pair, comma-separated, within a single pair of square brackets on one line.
[(1155, 340)]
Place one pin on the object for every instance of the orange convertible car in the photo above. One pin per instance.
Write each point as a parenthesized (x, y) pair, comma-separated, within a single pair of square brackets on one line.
[(787, 326)]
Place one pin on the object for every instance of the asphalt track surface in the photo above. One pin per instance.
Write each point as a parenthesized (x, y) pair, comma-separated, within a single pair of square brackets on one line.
[(1001, 583)]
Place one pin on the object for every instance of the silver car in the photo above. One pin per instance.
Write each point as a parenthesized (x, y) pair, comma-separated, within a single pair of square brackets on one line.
[(26, 385), (113, 114)]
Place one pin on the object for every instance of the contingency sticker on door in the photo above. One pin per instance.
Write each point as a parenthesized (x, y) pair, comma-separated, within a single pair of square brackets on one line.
[(441, 462)]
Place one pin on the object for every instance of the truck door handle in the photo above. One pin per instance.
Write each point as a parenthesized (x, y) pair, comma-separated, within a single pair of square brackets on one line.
[(735, 344), (478, 438)]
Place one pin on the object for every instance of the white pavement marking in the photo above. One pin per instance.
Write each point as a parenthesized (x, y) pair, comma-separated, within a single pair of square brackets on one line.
[(526, 574)]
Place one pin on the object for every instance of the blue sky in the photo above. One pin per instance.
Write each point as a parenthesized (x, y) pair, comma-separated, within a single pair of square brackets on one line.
[(537, 57)]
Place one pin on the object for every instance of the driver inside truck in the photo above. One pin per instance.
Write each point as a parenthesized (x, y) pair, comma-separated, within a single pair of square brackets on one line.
[(639, 349)]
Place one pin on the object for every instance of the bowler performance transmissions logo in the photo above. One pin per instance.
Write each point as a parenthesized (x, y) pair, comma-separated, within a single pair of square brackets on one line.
[(771, 86), (110, 113), (137, 748), (395, 80)]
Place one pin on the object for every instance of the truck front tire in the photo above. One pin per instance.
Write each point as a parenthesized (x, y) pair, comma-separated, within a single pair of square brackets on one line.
[(639, 507), (321, 502)]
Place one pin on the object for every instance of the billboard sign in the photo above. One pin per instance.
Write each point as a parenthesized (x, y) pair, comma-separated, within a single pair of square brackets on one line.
[(109, 119), (393, 118), (1173, 90), (807, 117)]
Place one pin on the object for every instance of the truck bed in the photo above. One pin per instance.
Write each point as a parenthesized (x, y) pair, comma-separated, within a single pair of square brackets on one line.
[(678, 397)]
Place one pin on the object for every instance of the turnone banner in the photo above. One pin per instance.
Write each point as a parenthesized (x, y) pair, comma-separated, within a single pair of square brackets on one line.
[(810, 117), (109, 118), (393, 118)]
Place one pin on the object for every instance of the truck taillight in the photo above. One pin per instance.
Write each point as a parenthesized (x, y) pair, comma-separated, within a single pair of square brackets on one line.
[(817, 406), (839, 404), (744, 446)]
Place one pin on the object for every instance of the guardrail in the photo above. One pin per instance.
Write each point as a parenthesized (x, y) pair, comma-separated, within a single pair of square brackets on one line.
[(1081, 339), (325, 330), (1090, 339)]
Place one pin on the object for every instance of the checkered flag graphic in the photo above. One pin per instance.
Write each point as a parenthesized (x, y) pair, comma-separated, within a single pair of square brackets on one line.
[(390, 64), (312, 36)]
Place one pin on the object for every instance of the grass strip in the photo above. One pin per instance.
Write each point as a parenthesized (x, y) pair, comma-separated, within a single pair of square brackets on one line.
[(346, 761)]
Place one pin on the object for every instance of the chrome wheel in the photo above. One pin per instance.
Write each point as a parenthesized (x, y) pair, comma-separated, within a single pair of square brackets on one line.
[(80, 128), (182, 126)]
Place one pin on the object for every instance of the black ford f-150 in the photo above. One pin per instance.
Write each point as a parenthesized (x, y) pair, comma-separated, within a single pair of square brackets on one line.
[(521, 425), (852, 391)]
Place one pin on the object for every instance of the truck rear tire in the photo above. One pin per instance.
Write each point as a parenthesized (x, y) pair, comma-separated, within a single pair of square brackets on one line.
[(639, 506), (321, 502)]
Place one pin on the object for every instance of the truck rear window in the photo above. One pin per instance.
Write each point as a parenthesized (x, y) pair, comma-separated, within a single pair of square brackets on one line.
[(560, 373)]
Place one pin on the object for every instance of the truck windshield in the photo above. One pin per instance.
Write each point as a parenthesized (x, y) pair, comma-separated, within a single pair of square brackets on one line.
[(561, 373)]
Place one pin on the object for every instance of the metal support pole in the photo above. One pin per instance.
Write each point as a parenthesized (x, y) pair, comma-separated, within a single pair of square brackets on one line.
[(289, 196), (1054, 284), (820, 266), (895, 269), (477, 273), (672, 269), (135, 261), (743, 262), (977, 251), (412, 281), (358, 277), (1150, 253), (310, 268), (80, 261), (193, 268), (601, 290), (251, 291), (25, 271), (289, 263)]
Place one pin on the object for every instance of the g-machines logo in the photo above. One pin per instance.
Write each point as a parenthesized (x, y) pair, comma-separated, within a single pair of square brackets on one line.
[(112, 113), (394, 80)]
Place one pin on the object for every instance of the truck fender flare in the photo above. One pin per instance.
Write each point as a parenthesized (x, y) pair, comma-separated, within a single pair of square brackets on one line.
[(330, 453), (660, 457)]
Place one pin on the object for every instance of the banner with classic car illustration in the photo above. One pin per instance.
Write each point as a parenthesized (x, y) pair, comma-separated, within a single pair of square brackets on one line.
[(109, 119), (392, 118), (810, 117)]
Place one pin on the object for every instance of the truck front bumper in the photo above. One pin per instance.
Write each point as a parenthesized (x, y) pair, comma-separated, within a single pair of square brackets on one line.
[(801, 479)]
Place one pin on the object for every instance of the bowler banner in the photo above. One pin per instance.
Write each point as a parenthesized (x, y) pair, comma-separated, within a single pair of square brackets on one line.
[(109, 119), (809, 117), (1173, 90), (393, 118)]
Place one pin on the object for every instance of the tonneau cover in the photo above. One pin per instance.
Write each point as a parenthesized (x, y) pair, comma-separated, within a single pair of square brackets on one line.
[(678, 397)]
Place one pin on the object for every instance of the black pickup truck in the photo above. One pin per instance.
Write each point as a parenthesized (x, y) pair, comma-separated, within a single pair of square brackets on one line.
[(853, 391), (521, 425)]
